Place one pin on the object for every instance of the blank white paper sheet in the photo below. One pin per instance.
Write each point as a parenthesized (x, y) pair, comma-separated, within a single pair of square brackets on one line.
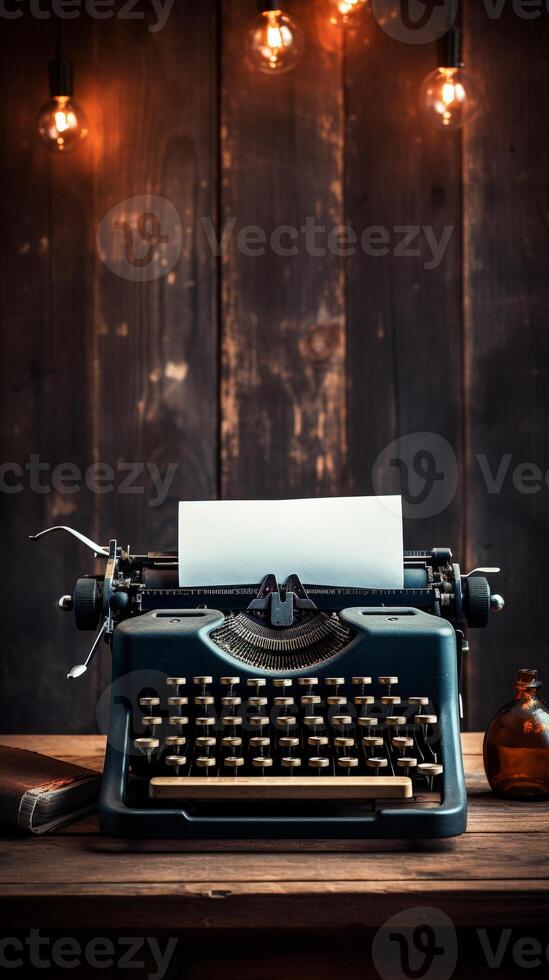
[(347, 541)]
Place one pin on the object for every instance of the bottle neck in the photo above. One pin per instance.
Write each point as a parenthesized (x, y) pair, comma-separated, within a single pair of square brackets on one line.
[(527, 692), (528, 686)]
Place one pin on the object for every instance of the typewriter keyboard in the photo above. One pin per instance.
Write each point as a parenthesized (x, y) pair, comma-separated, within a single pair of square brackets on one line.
[(304, 737)]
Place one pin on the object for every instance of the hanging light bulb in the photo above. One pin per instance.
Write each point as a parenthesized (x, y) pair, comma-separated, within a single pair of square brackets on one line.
[(345, 13), (62, 123), (449, 96), (275, 40)]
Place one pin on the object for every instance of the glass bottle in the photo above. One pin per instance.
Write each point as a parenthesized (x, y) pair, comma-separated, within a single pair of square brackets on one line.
[(516, 745)]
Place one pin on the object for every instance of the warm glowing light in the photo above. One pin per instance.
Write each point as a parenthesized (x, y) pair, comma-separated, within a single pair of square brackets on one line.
[(449, 98), (62, 124), (345, 13), (276, 42)]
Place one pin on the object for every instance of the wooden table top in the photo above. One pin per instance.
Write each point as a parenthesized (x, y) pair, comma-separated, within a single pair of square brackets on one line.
[(496, 874)]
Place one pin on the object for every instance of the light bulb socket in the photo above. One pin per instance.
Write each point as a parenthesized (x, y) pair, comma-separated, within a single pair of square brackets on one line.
[(265, 5), (449, 55), (61, 78)]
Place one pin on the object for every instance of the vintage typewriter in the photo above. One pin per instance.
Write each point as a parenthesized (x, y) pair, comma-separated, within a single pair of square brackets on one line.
[(281, 711)]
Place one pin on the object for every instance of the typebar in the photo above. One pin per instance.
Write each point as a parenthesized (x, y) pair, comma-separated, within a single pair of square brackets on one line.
[(337, 788)]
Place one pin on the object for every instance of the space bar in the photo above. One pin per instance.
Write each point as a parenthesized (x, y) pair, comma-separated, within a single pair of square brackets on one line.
[(280, 787)]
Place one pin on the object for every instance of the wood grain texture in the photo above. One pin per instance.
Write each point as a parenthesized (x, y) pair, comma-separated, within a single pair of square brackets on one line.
[(45, 364), (157, 339), (496, 875), (283, 346), (507, 344), (403, 317)]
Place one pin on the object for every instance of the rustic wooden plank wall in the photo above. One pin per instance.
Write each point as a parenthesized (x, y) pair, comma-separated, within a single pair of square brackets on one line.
[(506, 399), (271, 375)]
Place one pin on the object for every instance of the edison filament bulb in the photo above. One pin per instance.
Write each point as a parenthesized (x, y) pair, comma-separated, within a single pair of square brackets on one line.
[(345, 13), (62, 124), (275, 42), (449, 98)]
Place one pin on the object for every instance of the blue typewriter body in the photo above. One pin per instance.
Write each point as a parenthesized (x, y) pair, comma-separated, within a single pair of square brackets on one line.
[(417, 647), (281, 711)]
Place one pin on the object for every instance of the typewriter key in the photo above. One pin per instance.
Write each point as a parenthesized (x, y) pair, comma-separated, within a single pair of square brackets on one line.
[(204, 700), (388, 681), (256, 682), (259, 742), (231, 702), (406, 762), (232, 721), (283, 682), (258, 721), (341, 721), (147, 746), (372, 742), (258, 702), (425, 720), (308, 699), (290, 762), (262, 762), (429, 770), (316, 741), (288, 742), (390, 701), (205, 742), (285, 702), (395, 721), (347, 762), (177, 702), (176, 761), (334, 682), (206, 762), (368, 722), (230, 682), (179, 721), (175, 741), (176, 681), (318, 762), (418, 702), (376, 763), (286, 721), (149, 702), (402, 742), (307, 682), (362, 682), (152, 721), (313, 721), (233, 761), (362, 700), (202, 681), (343, 743), (204, 722), (337, 700), (230, 742)]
